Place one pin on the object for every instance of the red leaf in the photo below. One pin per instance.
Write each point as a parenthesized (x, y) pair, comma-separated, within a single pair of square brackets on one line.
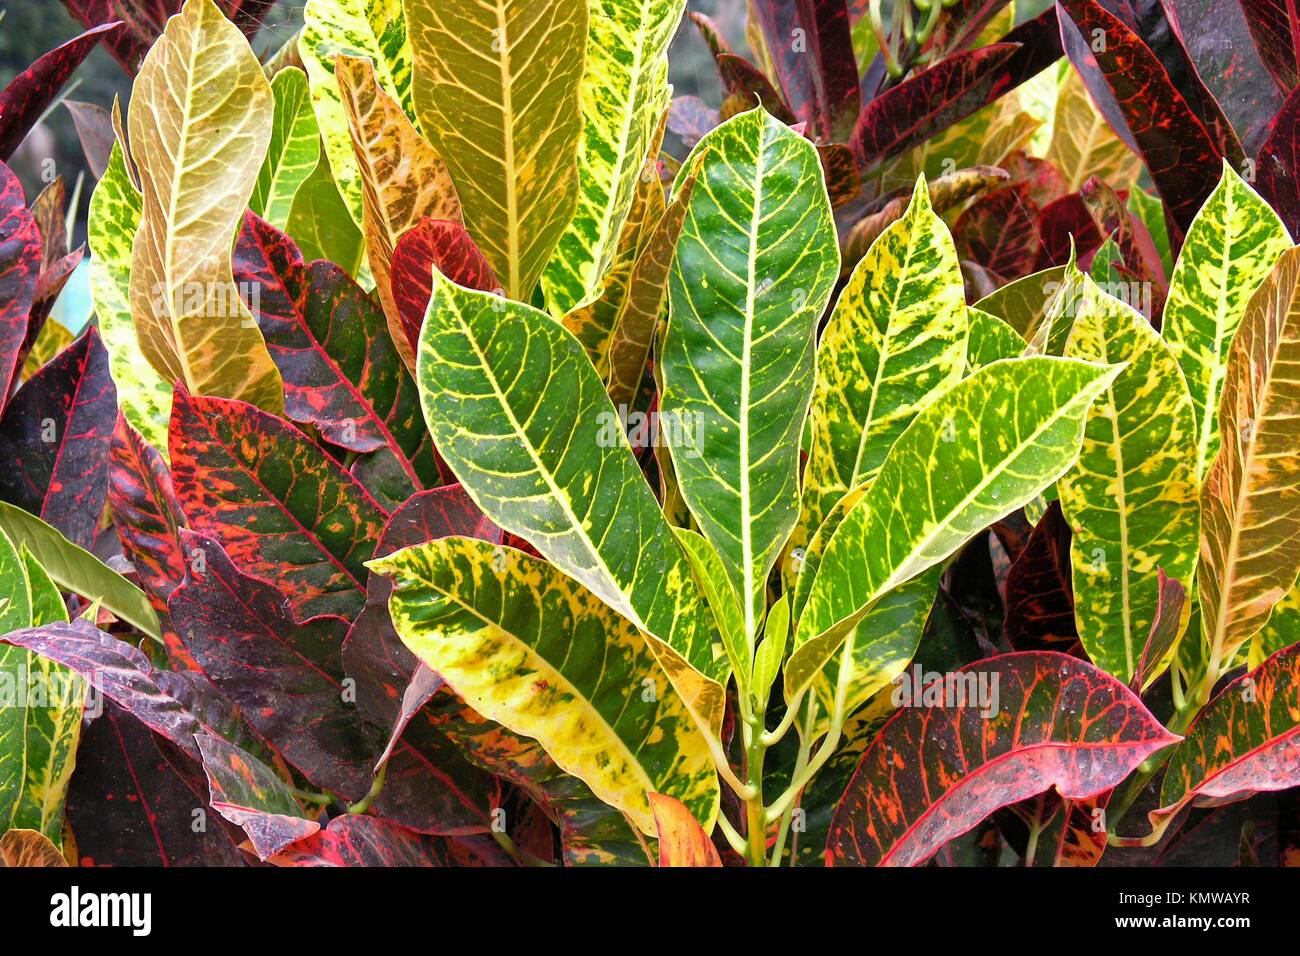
[(144, 21), (369, 841), (930, 101), (682, 841), (746, 86), (20, 264), (1130, 86), (54, 440), (1000, 232), (24, 100), (1062, 225), (934, 772), (1246, 740), (331, 344), (1278, 170), (284, 675), (281, 508), (1275, 27), (1040, 591), (146, 513), (444, 244), (134, 797)]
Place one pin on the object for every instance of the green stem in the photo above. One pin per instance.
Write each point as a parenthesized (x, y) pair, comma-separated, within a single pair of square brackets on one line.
[(801, 761), (362, 805)]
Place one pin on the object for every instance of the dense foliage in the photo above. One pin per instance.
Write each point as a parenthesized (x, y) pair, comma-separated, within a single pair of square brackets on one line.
[(478, 456)]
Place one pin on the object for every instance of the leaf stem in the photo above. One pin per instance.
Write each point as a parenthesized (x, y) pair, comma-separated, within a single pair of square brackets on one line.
[(362, 805)]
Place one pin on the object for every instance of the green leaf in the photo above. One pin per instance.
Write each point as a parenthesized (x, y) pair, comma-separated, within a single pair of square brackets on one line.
[(990, 340), (1231, 245), (624, 92), (76, 570), (496, 91), (142, 394), (529, 647), (1132, 498), (756, 261), (294, 150), (522, 418), (319, 222), (1250, 499), (1023, 303), (1282, 629), (370, 28), (771, 653), (980, 451), (47, 602), (1151, 212), (897, 338), (711, 577)]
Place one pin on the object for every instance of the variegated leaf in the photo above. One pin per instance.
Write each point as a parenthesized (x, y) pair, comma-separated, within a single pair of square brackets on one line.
[(984, 448), (531, 648), (200, 122), (1082, 144), (520, 415), (623, 95), (1132, 498), (144, 397), (496, 90), (755, 265), (1231, 245), (358, 28), (1250, 500), (402, 179), (896, 339)]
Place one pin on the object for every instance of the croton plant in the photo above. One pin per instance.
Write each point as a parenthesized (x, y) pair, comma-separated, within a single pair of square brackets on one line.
[(479, 456)]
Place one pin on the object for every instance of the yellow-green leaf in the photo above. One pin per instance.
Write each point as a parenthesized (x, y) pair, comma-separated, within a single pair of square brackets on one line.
[(144, 397), (1132, 498), (1231, 245), (1083, 144), (529, 647), (1281, 631), (624, 93), (200, 122), (523, 420), (365, 28), (711, 576), (294, 150), (319, 222), (990, 340), (896, 339), (978, 452), (496, 90), (1250, 501)]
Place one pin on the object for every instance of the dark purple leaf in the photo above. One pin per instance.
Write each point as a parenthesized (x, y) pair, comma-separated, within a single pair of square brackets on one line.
[(20, 265), (368, 841), (29, 93), (54, 440), (146, 513), (1040, 590), (1275, 27), (1278, 169)]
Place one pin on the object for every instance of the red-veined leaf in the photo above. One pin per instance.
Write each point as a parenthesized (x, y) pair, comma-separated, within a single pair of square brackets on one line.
[(20, 265), (368, 841), (934, 772), (29, 848), (1279, 159), (144, 20), (1246, 740), (682, 842), (444, 244), (331, 344), (1065, 225), (137, 800), (54, 440), (283, 674), (29, 93), (1040, 590), (745, 85), (283, 509), (1275, 28), (146, 513), (1165, 629), (1130, 86), (1000, 232), (930, 101)]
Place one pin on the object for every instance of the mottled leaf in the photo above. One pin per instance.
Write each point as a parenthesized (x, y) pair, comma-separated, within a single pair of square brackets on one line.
[(934, 772)]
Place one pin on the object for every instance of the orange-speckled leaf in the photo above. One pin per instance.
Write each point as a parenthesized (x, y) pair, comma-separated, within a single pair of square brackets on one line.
[(681, 840)]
